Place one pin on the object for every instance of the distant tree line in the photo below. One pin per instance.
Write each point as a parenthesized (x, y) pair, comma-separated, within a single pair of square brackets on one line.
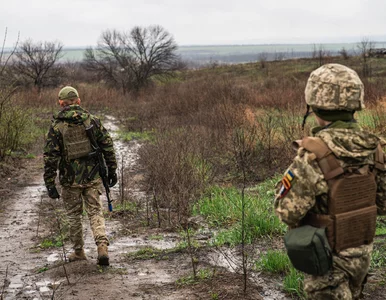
[(129, 61), (132, 60)]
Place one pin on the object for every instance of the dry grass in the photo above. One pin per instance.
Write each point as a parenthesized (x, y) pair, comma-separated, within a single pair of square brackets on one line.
[(195, 118)]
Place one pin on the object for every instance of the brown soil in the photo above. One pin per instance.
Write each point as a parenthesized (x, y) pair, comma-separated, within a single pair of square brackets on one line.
[(31, 272)]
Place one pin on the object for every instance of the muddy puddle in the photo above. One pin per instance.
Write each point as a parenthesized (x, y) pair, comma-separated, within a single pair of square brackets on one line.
[(27, 272)]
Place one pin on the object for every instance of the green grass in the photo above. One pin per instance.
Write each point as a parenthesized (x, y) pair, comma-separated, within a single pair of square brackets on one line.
[(202, 274), (125, 206), (21, 155), (378, 257), (145, 253), (381, 226), (49, 243), (277, 262), (293, 283), (131, 135), (274, 261), (17, 129), (222, 208), (42, 269), (157, 237), (371, 120)]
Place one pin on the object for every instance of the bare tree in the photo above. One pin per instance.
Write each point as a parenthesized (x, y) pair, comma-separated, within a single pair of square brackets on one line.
[(364, 47), (279, 56), (263, 57), (35, 63), (7, 86), (130, 60), (344, 53), (320, 54)]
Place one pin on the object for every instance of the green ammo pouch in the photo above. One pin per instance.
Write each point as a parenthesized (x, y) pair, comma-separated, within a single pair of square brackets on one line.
[(308, 250)]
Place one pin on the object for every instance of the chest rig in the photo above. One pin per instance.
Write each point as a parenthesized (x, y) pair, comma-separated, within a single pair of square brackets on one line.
[(75, 140), (352, 209)]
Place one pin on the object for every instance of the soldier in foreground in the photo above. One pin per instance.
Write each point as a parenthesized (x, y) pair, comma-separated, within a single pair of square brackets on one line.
[(331, 193), (69, 148)]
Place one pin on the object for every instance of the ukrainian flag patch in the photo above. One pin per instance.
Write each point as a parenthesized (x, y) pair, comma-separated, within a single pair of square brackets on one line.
[(286, 183)]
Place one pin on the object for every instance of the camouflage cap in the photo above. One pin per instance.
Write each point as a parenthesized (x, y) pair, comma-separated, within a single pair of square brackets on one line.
[(335, 87), (68, 93)]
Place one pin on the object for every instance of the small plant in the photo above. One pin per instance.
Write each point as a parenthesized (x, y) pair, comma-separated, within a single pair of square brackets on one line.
[(274, 261), (158, 237), (378, 258), (202, 274), (119, 271), (49, 243), (42, 269), (381, 226), (126, 206), (145, 253), (293, 283)]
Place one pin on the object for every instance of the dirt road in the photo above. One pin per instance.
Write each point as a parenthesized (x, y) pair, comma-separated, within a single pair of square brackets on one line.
[(28, 271)]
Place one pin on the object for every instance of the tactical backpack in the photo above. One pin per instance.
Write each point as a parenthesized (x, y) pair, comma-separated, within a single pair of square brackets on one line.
[(352, 209), (76, 143)]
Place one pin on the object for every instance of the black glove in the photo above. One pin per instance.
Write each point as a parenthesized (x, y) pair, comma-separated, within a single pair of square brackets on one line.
[(113, 179), (53, 192)]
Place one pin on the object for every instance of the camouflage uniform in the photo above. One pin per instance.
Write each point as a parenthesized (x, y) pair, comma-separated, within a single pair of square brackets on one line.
[(308, 192), (73, 174)]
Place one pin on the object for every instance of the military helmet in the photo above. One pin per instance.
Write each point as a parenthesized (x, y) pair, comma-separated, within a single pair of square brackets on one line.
[(335, 87), (68, 93)]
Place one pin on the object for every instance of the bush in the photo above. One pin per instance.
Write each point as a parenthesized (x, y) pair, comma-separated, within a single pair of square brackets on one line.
[(177, 174), (16, 129)]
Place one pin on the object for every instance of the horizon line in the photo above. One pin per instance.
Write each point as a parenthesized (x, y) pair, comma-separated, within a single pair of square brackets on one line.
[(245, 44)]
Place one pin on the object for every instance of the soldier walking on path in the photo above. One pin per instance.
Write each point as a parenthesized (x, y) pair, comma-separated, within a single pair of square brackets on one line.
[(334, 188), (69, 148)]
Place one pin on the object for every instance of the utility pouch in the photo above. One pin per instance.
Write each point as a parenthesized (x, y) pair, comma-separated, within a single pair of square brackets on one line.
[(308, 250), (355, 228)]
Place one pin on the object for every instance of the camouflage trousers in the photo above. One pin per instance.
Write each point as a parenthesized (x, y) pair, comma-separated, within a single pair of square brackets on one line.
[(76, 197), (347, 278)]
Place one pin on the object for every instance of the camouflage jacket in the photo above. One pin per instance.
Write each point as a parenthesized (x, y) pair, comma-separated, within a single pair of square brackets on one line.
[(306, 190), (74, 171)]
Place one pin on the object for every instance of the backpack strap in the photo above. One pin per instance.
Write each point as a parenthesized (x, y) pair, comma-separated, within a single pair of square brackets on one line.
[(62, 126), (87, 122), (379, 159), (327, 161)]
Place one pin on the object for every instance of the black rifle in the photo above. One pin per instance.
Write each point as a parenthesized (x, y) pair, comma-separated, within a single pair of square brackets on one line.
[(101, 165)]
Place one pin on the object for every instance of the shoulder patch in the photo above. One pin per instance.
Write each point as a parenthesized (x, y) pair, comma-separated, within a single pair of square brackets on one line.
[(286, 183)]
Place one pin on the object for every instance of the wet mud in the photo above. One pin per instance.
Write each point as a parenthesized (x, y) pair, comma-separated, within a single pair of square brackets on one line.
[(30, 272)]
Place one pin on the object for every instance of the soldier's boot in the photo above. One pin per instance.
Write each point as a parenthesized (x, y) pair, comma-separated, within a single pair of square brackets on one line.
[(78, 254), (103, 255)]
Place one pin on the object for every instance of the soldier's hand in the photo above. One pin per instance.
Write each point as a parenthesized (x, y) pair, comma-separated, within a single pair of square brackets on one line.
[(53, 192), (113, 179)]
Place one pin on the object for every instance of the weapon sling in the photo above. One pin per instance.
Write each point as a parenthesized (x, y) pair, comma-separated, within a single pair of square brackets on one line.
[(101, 165)]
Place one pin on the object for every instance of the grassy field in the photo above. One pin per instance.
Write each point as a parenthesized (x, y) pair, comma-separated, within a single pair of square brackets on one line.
[(215, 140), (235, 53)]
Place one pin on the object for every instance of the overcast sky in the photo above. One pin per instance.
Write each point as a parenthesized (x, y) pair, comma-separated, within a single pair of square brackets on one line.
[(197, 22)]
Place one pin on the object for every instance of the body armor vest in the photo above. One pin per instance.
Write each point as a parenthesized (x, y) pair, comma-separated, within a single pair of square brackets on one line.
[(75, 140), (352, 209)]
